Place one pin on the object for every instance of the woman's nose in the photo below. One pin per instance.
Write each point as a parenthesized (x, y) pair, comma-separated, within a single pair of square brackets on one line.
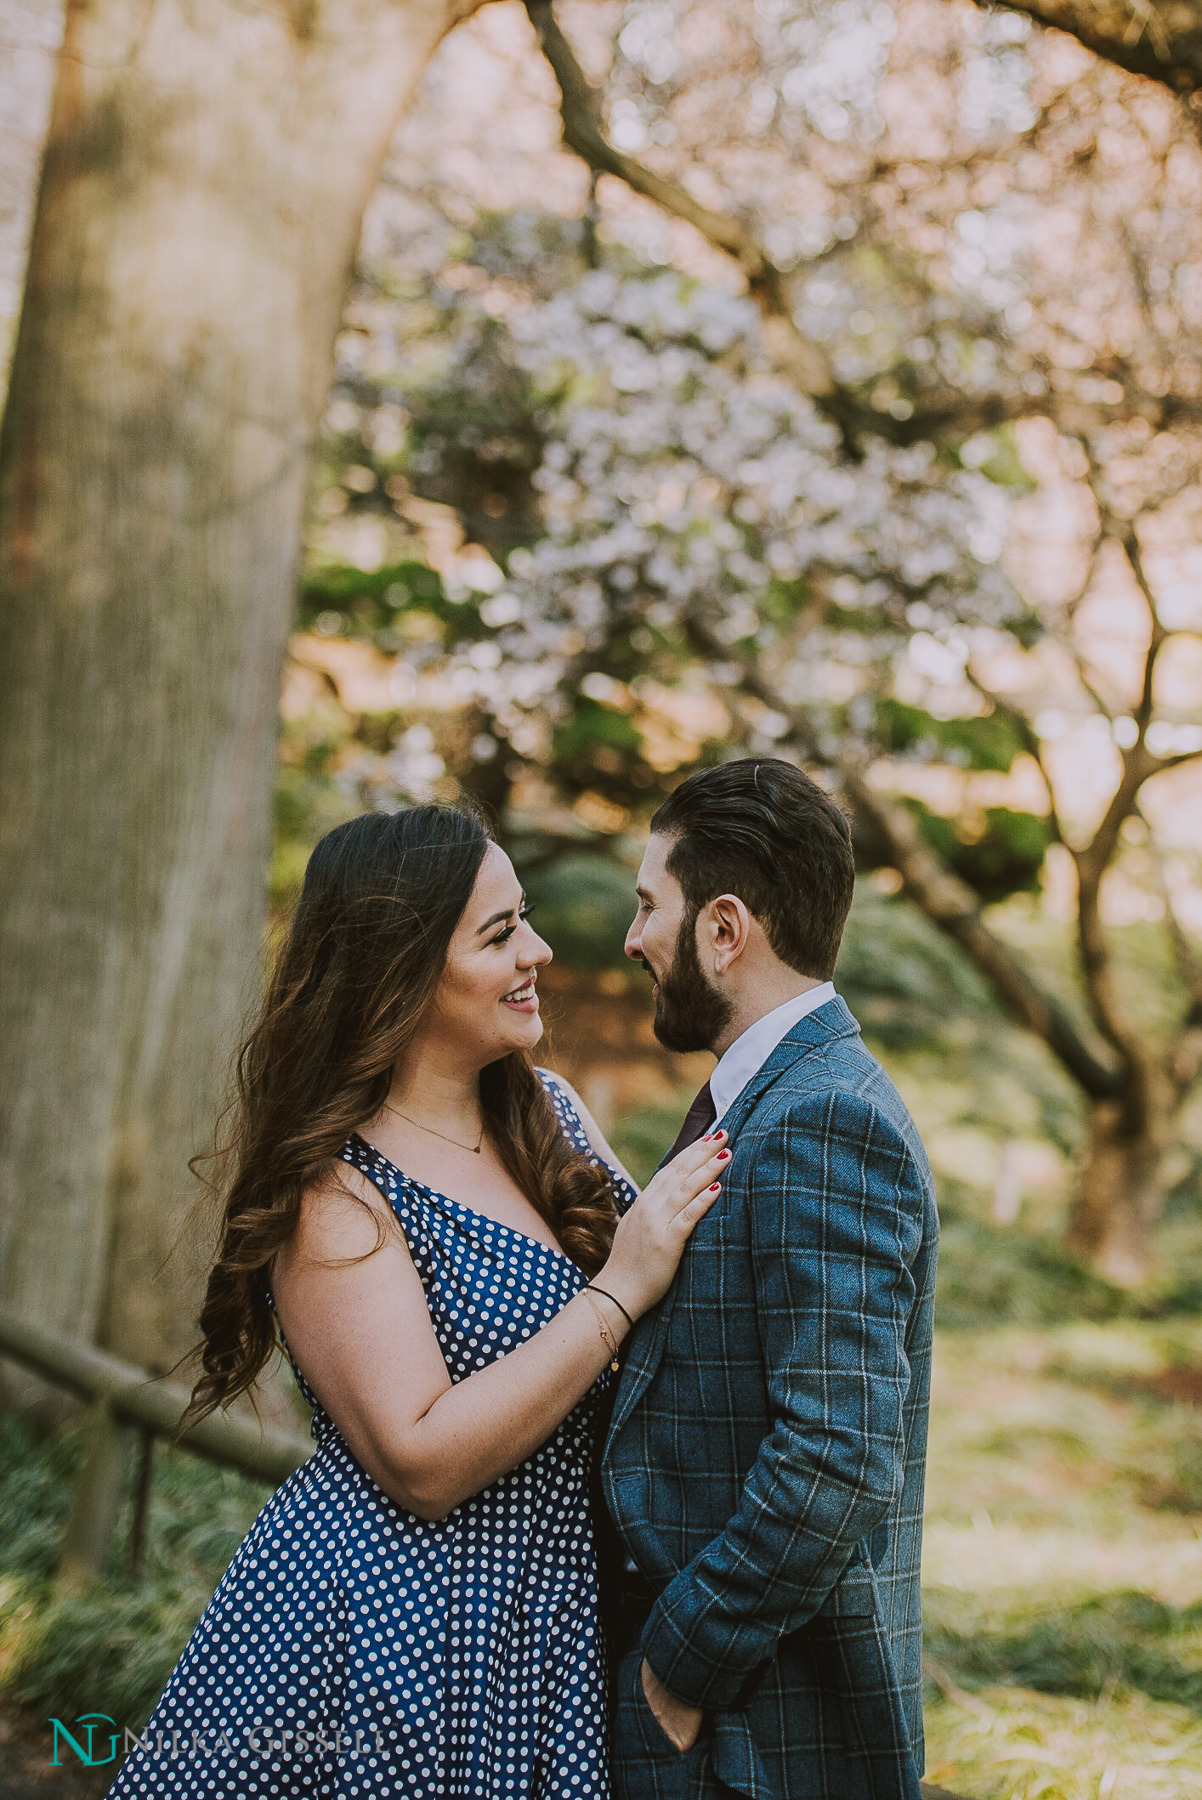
[(538, 952)]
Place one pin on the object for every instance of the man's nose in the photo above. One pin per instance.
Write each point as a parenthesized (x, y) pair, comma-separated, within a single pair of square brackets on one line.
[(634, 943)]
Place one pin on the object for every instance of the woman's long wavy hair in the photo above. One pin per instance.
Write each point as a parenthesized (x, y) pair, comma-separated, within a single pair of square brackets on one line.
[(350, 987)]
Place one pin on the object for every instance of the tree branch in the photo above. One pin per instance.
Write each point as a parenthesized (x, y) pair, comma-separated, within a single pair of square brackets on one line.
[(1160, 41), (1092, 863), (946, 900), (1184, 1058), (1138, 763), (798, 357), (584, 133)]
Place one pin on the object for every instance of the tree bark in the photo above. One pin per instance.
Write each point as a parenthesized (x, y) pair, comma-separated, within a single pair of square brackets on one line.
[(201, 196), (1121, 1194)]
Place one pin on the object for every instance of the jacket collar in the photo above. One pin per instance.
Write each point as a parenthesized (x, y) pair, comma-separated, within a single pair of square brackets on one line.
[(814, 1032)]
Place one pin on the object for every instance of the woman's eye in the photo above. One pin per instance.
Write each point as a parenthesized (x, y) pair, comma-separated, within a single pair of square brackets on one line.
[(503, 937)]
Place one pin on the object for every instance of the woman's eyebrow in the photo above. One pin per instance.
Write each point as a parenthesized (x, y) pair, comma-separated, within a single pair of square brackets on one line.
[(497, 918)]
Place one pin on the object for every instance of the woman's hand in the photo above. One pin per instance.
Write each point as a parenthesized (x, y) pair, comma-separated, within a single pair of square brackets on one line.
[(651, 1237)]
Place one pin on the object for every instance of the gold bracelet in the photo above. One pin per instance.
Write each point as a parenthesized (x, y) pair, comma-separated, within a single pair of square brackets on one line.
[(605, 1291), (607, 1337)]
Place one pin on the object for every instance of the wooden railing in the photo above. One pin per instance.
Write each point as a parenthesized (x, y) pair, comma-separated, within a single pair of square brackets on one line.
[(127, 1410)]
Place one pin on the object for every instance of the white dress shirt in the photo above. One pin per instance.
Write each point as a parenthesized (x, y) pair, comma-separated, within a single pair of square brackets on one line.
[(751, 1051)]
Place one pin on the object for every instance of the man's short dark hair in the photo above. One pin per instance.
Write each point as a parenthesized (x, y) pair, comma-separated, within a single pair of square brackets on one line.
[(761, 829)]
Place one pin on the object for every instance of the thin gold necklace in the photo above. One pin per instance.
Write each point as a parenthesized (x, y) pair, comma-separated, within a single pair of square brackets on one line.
[(459, 1145)]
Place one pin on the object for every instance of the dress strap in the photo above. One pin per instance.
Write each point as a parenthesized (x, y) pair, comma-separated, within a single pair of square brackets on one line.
[(573, 1129), (402, 1195)]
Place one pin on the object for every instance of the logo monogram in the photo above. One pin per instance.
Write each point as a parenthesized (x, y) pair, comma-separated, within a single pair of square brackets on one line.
[(88, 1722)]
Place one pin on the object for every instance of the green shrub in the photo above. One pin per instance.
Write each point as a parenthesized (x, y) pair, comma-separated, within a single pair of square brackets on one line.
[(111, 1647)]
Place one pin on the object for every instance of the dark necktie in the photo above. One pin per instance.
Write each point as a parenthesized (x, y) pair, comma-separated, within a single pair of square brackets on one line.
[(697, 1122)]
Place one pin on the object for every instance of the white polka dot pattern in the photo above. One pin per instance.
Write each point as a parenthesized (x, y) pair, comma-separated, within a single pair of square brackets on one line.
[(354, 1649)]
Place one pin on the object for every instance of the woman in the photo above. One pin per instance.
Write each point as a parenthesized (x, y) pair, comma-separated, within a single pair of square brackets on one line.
[(452, 1255)]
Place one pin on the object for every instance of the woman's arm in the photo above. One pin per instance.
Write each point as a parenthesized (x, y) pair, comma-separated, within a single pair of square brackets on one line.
[(356, 1320)]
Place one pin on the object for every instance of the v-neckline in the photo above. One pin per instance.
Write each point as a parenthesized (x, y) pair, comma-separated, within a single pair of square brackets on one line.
[(462, 1206)]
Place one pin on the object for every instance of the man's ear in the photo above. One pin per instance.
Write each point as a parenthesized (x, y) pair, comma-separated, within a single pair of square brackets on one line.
[(727, 931)]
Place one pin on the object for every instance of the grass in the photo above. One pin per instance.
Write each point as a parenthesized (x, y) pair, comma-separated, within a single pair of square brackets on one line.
[(1063, 1564)]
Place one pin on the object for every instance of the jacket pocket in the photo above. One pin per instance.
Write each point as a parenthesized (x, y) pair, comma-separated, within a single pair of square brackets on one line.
[(854, 1596)]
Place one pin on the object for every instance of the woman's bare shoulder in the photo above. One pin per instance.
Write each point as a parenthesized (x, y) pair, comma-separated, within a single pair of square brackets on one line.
[(342, 1214)]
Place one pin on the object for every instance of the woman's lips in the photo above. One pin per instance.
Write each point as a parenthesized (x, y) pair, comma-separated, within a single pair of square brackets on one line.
[(523, 999)]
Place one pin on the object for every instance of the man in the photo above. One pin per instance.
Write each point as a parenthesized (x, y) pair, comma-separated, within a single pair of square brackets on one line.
[(765, 1461)]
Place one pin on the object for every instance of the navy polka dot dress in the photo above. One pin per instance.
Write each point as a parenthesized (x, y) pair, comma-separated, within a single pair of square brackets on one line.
[(354, 1649)]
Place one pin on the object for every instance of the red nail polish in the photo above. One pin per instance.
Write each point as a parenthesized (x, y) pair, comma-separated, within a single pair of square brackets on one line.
[(722, 1155), (714, 1186)]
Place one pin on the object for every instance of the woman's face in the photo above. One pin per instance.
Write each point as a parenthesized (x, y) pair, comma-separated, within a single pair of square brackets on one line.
[(486, 1004)]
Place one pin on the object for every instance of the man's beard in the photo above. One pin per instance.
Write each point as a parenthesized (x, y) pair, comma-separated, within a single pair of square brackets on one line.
[(690, 1014)]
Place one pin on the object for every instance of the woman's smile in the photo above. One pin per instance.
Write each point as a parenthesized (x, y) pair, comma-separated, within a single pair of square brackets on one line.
[(522, 999)]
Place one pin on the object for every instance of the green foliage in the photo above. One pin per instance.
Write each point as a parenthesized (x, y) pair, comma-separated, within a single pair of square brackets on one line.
[(306, 802), (641, 1137), (583, 907), (1004, 860), (1004, 465), (597, 746), (101, 1651), (989, 1276), (991, 742), (904, 981), (111, 1648), (399, 603), (1170, 1472), (36, 1473)]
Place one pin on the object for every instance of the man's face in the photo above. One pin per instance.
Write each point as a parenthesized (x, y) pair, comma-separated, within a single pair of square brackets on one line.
[(690, 1013)]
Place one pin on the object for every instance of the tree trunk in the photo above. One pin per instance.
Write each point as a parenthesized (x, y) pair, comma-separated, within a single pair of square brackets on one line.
[(1121, 1193), (200, 202)]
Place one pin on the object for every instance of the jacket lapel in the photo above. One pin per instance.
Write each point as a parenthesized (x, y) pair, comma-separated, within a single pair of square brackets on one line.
[(645, 1345)]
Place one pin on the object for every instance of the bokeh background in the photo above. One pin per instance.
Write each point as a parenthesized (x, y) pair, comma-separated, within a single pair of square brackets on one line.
[(813, 379)]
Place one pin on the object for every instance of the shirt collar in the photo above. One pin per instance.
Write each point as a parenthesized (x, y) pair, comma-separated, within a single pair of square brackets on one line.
[(751, 1051)]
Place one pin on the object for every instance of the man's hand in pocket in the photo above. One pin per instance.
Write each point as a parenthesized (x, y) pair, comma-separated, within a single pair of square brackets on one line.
[(679, 1722)]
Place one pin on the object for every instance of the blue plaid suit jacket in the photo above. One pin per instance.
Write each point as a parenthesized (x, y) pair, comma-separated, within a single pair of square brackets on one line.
[(765, 1459)]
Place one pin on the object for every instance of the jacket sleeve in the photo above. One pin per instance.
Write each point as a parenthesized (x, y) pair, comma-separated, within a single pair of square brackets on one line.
[(835, 1206)]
